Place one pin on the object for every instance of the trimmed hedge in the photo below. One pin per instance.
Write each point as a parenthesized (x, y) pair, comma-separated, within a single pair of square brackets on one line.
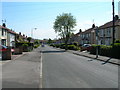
[(73, 47), (93, 49), (62, 46), (109, 51), (105, 50), (26, 46), (17, 44), (36, 46), (116, 50)]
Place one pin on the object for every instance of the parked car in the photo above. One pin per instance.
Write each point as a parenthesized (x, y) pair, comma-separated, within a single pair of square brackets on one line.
[(86, 47), (43, 45), (3, 48)]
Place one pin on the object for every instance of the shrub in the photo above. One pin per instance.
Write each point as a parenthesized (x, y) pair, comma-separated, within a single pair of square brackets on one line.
[(109, 51), (17, 44), (105, 50), (73, 47), (36, 46), (117, 41), (75, 43), (93, 49), (62, 46), (57, 45), (116, 50), (25, 45)]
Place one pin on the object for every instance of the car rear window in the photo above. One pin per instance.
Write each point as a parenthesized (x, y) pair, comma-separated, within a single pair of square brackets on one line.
[(4, 47)]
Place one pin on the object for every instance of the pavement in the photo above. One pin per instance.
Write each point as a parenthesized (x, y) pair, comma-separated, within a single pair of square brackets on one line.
[(93, 57), (101, 58), (23, 71), (13, 57)]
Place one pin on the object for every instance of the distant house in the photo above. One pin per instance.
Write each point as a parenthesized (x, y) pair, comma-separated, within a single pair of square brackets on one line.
[(75, 37), (21, 38), (105, 32), (7, 36), (88, 36)]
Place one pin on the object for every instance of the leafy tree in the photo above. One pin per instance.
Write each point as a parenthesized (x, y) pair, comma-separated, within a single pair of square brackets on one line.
[(36, 42), (49, 41), (29, 39), (64, 25)]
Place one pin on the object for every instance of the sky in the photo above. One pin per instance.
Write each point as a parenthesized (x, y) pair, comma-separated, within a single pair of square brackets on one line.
[(25, 16)]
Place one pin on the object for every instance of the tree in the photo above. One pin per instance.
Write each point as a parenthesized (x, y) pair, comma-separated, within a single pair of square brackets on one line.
[(64, 25), (29, 39), (49, 41), (36, 42)]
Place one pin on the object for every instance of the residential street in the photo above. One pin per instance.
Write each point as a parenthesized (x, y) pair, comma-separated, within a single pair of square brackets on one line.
[(65, 70), (58, 69)]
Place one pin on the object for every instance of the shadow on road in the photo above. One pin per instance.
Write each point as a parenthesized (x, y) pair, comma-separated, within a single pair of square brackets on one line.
[(54, 51)]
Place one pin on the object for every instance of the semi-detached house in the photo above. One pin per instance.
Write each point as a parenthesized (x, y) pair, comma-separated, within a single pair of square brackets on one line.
[(7, 36), (105, 32)]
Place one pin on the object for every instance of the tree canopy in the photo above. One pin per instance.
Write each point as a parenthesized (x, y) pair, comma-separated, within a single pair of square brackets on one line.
[(64, 25)]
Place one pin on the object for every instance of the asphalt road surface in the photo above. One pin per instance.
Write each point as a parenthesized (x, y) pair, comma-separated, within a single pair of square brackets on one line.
[(65, 70), (55, 68), (23, 72)]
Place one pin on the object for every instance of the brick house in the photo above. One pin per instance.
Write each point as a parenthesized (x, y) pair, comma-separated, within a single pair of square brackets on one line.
[(105, 32), (88, 36), (7, 36), (75, 37)]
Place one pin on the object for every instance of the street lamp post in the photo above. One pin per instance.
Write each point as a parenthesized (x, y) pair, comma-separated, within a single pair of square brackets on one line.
[(32, 31), (96, 31)]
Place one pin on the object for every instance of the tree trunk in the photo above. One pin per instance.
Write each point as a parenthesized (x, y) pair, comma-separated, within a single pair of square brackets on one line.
[(66, 46)]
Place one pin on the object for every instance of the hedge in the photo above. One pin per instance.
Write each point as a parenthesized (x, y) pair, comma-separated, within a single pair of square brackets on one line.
[(62, 46), (36, 46), (17, 44), (26, 46), (116, 50), (105, 50), (109, 51), (73, 47)]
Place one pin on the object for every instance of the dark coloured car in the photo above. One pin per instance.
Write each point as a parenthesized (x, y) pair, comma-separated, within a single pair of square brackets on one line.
[(43, 45)]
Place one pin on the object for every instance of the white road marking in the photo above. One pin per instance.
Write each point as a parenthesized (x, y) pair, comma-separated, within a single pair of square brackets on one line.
[(41, 72)]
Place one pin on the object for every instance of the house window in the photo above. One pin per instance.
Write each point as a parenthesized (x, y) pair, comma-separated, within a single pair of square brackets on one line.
[(5, 32), (2, 32), (4, 42)]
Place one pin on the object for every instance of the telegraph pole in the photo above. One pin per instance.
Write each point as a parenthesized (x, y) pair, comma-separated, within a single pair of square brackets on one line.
[(113, 22), (96, 32)]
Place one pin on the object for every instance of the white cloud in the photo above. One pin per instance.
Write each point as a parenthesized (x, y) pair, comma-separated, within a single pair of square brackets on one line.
[(44, 33)]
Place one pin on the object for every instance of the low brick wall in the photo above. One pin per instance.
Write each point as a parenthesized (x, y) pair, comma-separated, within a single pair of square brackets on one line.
[(18, 50), (6, 55)]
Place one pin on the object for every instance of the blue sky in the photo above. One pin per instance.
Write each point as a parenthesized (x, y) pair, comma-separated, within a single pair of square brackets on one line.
[(24, 16)]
